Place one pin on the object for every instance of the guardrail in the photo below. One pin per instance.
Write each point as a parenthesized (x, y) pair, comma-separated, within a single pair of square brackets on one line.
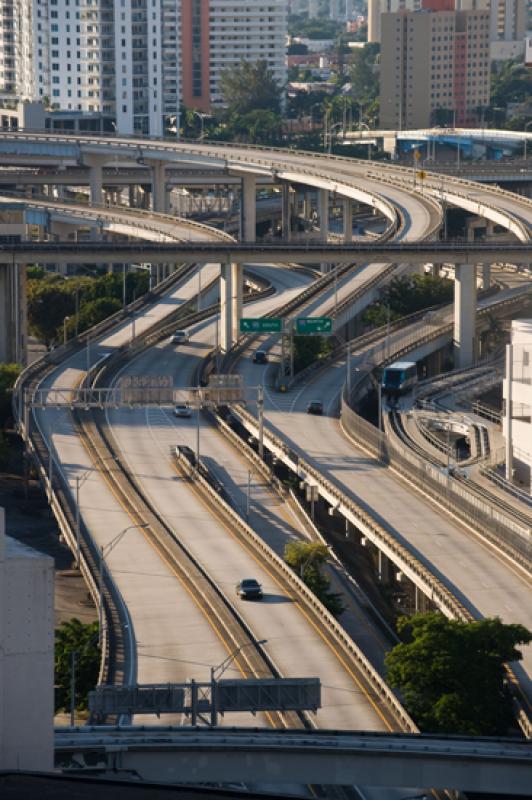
[(309, 600), (141, 218), (160, 145)]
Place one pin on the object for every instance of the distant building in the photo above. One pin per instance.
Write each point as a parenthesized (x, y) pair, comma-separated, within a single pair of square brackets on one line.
[(508, 18), (133, 61), (434, 62), (517, 394)]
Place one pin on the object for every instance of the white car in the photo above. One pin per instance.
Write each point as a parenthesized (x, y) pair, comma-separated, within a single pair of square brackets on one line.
[(182, 410), (180, 337)]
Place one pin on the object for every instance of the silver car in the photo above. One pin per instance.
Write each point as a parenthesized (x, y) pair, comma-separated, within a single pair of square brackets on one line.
[(182, 410), (180, 337)]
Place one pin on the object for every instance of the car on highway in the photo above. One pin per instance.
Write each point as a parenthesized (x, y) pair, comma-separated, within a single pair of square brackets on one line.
[(249, 589), (260, 357), (182, 410), (315, 407), (180, 337)]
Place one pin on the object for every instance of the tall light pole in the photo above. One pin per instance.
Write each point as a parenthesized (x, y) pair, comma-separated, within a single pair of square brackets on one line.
[(527, 125), (221, 668), (65, 329), (104, 550)]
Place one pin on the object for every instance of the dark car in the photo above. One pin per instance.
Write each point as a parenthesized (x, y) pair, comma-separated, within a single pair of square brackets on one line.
[(260, 357), (249, 589), (315, 407)]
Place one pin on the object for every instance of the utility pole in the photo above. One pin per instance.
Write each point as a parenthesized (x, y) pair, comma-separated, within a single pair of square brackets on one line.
[(248, 497), (260, 408), (72, 688)]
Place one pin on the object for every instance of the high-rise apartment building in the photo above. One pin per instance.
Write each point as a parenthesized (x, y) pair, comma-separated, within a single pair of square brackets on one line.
[(435, 59), (16, 40), (508, 18), (125, 58), (218, 34)]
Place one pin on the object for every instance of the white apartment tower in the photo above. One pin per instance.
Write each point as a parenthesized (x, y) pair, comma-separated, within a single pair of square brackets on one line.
[(134, 60), (107, 56)]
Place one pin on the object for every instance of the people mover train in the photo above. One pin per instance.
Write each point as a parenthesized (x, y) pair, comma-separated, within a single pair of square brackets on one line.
[(398, 379)]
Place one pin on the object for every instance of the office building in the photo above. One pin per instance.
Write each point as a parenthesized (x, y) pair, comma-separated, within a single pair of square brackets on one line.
[(433, 61)]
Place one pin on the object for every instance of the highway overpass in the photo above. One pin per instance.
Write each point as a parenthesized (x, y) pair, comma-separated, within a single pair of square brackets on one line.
[(341, 758)]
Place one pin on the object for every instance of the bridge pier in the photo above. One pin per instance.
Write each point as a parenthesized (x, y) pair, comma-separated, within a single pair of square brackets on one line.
[(248, 209), (286, 215), (485, 279), (465, 306), (158, 184), (95, 165), (323, 212), (13, 314), (348, 221), (231, 286)]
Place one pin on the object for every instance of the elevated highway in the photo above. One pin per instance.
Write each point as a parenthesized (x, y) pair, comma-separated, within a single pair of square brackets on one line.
[(326, 448), (332, 758)]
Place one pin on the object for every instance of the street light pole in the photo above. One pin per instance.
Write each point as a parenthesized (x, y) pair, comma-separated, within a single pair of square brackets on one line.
[(78, 553), (260, 409), (198, 430), (248, 496), (222, 667), (103, 551), (65, 330), (527, 125)]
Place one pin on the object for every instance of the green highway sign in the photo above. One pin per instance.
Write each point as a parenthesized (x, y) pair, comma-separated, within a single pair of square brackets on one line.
[(309, 325), (262, 325)]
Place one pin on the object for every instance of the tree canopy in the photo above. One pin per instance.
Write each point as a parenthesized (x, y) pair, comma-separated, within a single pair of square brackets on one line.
[(307, 559), (407, 294), (81, 638), (51, 299), (8, 375), (248, 87), (451, 674)]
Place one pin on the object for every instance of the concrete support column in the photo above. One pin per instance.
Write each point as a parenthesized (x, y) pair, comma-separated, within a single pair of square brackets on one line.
[(509, 410), (348, 220), (286, 213), (95, 181), (248, 209), (307, 206), (231, 288), (132, 196), (323, 211), (13, 314), (158, 183), (465, 306), (485, 276)]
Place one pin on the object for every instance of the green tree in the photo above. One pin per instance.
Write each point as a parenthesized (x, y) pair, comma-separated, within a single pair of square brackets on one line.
[(48, 305), (451, 674), (248, 87), (94, 312), (81, 638), (306, 559), (407, 294), (364, 73), (308, 349), (8, 375), (256, 127)]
